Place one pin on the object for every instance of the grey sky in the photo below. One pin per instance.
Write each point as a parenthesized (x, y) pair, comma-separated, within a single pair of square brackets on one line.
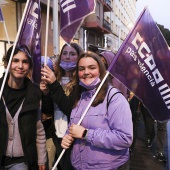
[(158, 9)]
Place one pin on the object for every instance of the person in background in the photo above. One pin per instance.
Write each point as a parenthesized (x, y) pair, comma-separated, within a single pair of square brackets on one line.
[(47, 110), (54, 59), (134, 106), (47, 120), (22, 143), (107, 57), (103, 139), (160, 136), (60, 87)]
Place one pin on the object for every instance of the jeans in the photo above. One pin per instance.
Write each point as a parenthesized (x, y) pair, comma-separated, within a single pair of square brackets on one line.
[(17, 166)]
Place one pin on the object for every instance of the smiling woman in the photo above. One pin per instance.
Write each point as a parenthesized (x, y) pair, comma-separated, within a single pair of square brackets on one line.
[(61, 85), (20, 105), (103, 139), (88, 71)]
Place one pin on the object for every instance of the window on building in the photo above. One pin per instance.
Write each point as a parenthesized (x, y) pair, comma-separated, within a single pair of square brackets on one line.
[(91, 38), (98, 9)]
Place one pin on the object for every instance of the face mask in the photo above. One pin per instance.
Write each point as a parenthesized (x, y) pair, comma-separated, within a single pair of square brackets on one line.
[(92, 85), (68, 66)]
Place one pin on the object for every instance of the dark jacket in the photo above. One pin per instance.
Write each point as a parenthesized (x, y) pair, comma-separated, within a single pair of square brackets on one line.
[(47, 108), (65, 103), (27, 124)]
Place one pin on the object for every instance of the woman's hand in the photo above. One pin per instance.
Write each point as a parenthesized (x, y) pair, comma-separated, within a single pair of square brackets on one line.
[(67, 141), (44, 88), (76, 131), (47, 75), (41, 167)]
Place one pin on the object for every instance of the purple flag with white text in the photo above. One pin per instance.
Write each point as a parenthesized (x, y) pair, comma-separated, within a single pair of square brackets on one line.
[(1, 16), (30, 35), (72, 13), (142, 64)]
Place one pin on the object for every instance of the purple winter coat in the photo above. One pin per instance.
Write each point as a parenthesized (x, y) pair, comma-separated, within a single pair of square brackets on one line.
[(109, 136)]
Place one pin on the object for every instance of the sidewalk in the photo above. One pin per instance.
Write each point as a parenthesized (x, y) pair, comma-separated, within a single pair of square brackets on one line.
[(143, 157)]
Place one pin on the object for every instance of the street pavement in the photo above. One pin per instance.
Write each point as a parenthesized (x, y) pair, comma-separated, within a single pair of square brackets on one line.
[(143, 158)]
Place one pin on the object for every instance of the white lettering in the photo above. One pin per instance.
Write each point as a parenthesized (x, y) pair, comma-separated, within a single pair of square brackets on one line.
[(34, 7), (150, 62), (143, 46), (67, 5), (145, 54), (157, 76), (138, 39)]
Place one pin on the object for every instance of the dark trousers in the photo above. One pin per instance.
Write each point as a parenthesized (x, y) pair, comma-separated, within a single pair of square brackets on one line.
[(151, 127), (149, 123), (134, 103), (161, 136), (65, 163)]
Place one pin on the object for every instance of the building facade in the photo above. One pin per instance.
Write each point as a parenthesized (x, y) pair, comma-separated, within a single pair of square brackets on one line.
[(105, 29)]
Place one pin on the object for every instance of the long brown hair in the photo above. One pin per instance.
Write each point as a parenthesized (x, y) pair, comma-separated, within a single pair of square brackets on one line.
[(59, 72), (78, 89)]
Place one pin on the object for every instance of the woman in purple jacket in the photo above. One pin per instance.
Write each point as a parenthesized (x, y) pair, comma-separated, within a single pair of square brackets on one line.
[(103, 139)]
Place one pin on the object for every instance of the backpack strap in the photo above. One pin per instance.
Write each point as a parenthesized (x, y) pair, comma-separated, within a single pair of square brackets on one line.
[(109, 99)]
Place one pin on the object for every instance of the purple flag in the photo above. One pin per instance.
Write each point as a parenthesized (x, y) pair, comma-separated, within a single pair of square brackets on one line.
[(72, 13), (1, 16), (30, 35), (142, 64)]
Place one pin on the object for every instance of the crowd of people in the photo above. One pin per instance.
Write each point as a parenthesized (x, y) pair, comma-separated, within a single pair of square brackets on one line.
[(38, 122)]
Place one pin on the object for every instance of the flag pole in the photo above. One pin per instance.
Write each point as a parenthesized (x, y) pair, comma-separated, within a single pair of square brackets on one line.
[(16, 39), (85, 40), (56, 41), (46, 34), (83, 115)]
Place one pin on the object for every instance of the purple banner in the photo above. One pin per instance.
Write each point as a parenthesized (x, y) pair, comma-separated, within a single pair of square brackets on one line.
[(1, 15), (72, 12), (142, 64), (30, 35)]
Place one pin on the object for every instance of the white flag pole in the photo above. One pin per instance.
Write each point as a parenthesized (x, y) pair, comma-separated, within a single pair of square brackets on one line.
[(83, 115), (46, 34), (85, 40), (16, 39), (56, 41)]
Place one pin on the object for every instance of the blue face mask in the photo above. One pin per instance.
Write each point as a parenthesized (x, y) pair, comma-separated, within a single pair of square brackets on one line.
[(92, 85), (68, 66)]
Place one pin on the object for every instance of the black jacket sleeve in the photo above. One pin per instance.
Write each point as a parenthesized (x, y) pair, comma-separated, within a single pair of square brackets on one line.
[(65, 103)]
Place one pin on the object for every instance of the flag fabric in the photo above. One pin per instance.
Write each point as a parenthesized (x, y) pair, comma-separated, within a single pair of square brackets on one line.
[(72, 13), (142, 64), (1, 16), (30, 36)]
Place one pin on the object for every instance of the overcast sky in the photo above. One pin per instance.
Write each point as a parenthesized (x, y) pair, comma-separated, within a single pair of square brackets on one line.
[(159, 10)]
